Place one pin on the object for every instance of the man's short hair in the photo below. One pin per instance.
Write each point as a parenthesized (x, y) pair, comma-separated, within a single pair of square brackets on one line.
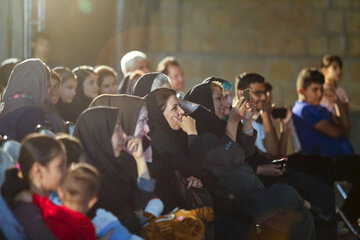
[(81, 183), (129, 59), (308, 76), (328, 59), (165, 63), (245, 79)]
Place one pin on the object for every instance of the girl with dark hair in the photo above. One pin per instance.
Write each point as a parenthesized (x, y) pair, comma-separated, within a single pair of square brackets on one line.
[(335, 98), (42, 164), (67, 92), (126, 184), (74, 149), (107, 79), (24, 99), (52, 99), (86, 91)]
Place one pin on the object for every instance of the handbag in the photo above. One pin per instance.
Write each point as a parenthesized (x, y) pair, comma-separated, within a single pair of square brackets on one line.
[(191, 198)]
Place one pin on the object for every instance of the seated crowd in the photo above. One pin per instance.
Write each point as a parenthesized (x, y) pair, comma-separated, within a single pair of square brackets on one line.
[(85, 158)]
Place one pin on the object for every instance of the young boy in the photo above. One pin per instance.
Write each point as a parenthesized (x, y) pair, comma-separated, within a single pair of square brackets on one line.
[(319, 131), (79, 194)]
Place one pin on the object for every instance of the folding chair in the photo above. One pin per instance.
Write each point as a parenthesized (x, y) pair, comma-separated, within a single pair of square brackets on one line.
[(340, 192)]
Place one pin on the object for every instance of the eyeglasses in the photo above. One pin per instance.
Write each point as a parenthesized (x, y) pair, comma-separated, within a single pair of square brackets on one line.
[(259, 93)]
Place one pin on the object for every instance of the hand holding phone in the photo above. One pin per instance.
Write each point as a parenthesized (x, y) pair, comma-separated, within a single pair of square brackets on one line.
[(282, 162), (246, 94)]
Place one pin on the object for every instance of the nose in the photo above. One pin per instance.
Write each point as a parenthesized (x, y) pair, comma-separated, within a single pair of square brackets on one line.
[(263, 97), (181, 111), (146, 128)]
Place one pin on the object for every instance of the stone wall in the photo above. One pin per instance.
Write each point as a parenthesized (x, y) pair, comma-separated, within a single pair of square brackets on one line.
[(226, 37)]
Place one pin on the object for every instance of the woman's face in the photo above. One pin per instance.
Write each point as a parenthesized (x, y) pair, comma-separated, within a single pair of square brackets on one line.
[(90, 86), (228, 101), (68, 90), (118, 140), (219, 102), (142, 128), (54, 91), (52, 175), (173, 112), (108, 85)]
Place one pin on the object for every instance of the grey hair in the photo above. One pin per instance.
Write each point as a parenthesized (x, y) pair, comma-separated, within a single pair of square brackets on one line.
[(159, 81), (129, 59)]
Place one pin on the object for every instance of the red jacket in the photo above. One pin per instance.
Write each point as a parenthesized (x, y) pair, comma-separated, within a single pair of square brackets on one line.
[(63, 222)]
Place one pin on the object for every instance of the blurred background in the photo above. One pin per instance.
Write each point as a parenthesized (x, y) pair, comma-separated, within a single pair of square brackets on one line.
[(209, 37)]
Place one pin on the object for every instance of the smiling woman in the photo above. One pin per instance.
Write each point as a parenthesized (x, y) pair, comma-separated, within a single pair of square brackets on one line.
[(107, 79)]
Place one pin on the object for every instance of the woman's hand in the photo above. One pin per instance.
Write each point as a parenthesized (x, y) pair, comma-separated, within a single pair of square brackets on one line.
[(135, 148), (194, 182), (188, 125), (249, 110), (270, 170), (237, 113)]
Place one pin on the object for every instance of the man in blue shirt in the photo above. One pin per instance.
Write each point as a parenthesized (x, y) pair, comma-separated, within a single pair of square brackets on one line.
[(319, 131)]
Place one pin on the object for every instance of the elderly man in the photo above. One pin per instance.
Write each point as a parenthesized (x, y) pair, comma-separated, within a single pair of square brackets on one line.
[(134, 60)]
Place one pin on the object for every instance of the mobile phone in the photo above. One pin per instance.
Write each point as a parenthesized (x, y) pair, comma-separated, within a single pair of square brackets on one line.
[(281, 161), (279, 113), (246, 94), (146, 142)]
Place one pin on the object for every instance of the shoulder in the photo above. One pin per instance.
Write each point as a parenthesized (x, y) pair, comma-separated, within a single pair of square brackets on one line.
[(30, 113), (342, 94)]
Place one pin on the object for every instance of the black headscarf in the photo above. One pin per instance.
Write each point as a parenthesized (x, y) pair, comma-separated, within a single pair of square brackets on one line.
[(94, 129), (147, 83), (202, 95), (129, 108), (158, 121), (124, 85), (166, 142), (206, 121), (81, 101), (27, 86)]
